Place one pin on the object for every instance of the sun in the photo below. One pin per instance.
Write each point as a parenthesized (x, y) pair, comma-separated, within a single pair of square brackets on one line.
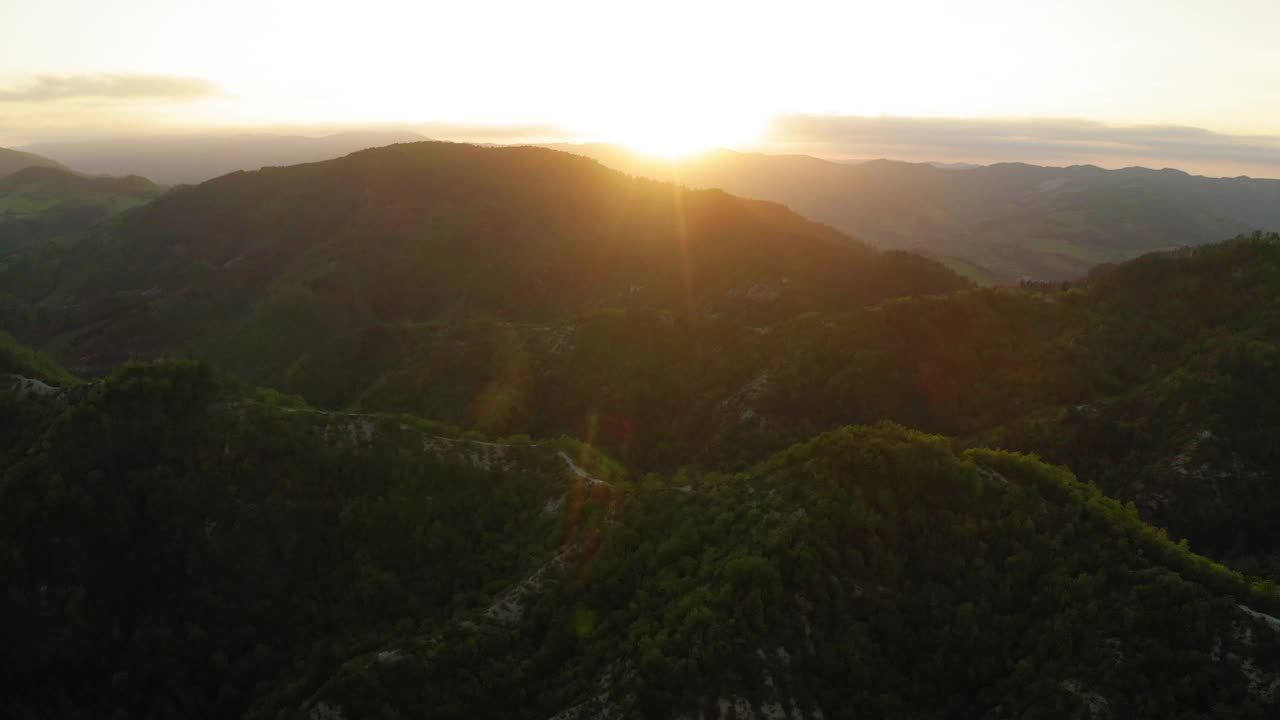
[(675, 135), (671, 141), (672, 147)]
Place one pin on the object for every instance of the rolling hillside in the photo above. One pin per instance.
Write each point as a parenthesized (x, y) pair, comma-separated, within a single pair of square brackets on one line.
[(996, 223), (547, 441), (40, 204), (523, 291), (177, 544), (261, 271)]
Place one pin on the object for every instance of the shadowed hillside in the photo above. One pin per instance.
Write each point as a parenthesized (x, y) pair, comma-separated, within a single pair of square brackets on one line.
[(175, 544)]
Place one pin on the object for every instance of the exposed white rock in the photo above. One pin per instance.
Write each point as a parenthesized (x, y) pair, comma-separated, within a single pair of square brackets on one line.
[(1270, 620), (26, 386), (325, 711), (576, 469), (773, 711), (553, 505), (510, 606), (1095, 705)]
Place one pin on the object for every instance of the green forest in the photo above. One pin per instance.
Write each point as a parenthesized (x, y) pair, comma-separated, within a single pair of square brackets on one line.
[(438, 430), (177, 544)]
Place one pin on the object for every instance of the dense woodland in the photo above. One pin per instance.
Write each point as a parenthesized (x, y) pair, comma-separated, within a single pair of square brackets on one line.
[(178, 545), (546, 441)]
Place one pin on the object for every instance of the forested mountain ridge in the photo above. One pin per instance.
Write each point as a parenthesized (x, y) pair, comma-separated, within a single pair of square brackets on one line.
[(1152, 379), (523, 291), (997, 223), (178, 544), (259, 270), (1146, 377), (742, 530)]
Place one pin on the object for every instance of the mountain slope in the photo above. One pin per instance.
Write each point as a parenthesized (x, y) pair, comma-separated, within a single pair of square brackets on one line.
[(14, 160), (20, 361), (175, 544), (48, 203), (519, 291), (211, 545), (257, 270), (999, 222), (872, 571), (1153, 379)]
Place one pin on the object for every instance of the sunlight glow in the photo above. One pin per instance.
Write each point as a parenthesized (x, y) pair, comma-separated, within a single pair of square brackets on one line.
[(667, 77), (672, 135)]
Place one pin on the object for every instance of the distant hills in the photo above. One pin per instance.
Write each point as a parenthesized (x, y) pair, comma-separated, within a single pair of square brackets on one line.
[(996, 223), (46, 203), (44, 211), (173, 160), (524, 290), (263, 270), (13, 160), (543, 440)]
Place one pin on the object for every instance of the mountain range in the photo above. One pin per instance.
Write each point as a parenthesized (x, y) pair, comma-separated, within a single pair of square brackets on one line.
[(414, 234), (453, 431), (180, 159), (528, 291), (996, 223)]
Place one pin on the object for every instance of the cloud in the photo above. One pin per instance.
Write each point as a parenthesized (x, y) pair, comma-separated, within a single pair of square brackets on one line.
[(51, 88), (1053, 141)]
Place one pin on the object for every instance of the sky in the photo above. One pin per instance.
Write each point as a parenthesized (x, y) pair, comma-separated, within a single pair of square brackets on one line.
[(1184, 83)]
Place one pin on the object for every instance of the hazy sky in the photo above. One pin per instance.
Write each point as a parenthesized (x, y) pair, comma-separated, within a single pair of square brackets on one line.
[(655, 73)]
